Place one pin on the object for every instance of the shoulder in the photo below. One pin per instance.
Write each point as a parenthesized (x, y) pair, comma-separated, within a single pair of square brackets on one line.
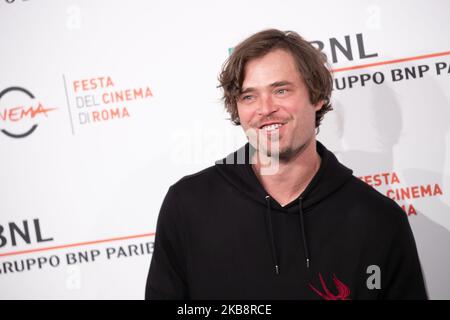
[(187, 191), (197, 176), (202, 180), (373, 205)]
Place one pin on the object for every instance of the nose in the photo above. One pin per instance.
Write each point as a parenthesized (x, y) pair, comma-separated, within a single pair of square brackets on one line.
[(267, 106)]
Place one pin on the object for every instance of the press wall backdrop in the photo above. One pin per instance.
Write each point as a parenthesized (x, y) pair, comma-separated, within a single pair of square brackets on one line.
[(105, 104)]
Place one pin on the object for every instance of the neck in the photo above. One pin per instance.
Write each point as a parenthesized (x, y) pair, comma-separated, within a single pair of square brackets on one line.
[(292, 175)]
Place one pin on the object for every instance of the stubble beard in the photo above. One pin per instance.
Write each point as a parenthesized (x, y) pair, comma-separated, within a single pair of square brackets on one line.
[(283, 154)]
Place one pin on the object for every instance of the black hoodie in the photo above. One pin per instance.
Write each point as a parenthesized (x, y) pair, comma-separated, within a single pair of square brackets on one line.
[(221, 236)]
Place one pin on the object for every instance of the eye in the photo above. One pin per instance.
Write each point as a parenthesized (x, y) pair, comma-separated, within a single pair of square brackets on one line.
[(281, 91), (247, 97)]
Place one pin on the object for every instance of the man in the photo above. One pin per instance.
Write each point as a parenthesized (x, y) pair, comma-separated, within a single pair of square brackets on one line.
[(280, 218)]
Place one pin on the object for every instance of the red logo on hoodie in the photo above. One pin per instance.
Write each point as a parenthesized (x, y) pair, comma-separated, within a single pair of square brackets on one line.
[(343, 290)]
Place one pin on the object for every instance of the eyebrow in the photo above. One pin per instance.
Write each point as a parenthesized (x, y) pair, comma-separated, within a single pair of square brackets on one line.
[(272, 85)]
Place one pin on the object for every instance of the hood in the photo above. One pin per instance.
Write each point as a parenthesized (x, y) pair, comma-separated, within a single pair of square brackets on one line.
[(237, 171)]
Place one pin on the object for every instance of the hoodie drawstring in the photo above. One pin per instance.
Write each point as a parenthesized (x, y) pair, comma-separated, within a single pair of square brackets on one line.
[(302, 227), (272, 240), (270, 230)]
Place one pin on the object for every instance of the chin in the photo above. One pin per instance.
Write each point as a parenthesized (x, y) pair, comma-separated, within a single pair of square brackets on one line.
[(286, 153), (282, 153)]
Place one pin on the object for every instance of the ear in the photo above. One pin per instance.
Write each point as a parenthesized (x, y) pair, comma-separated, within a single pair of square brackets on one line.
[(319, 105)]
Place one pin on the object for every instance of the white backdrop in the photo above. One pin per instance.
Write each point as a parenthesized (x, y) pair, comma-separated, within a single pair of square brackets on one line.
[(124, 99)]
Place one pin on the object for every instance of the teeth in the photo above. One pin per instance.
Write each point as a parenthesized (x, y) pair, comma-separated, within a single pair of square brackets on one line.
[(272, 127)]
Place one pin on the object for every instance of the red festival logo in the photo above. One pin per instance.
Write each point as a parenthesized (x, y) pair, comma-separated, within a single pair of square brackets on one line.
[(343, 290), (16, 115)]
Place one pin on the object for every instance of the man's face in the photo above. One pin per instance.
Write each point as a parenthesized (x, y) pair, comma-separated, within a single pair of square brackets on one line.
[(275, 104)]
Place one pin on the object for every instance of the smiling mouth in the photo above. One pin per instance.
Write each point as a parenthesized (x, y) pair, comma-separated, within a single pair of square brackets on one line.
[(271, 127)]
